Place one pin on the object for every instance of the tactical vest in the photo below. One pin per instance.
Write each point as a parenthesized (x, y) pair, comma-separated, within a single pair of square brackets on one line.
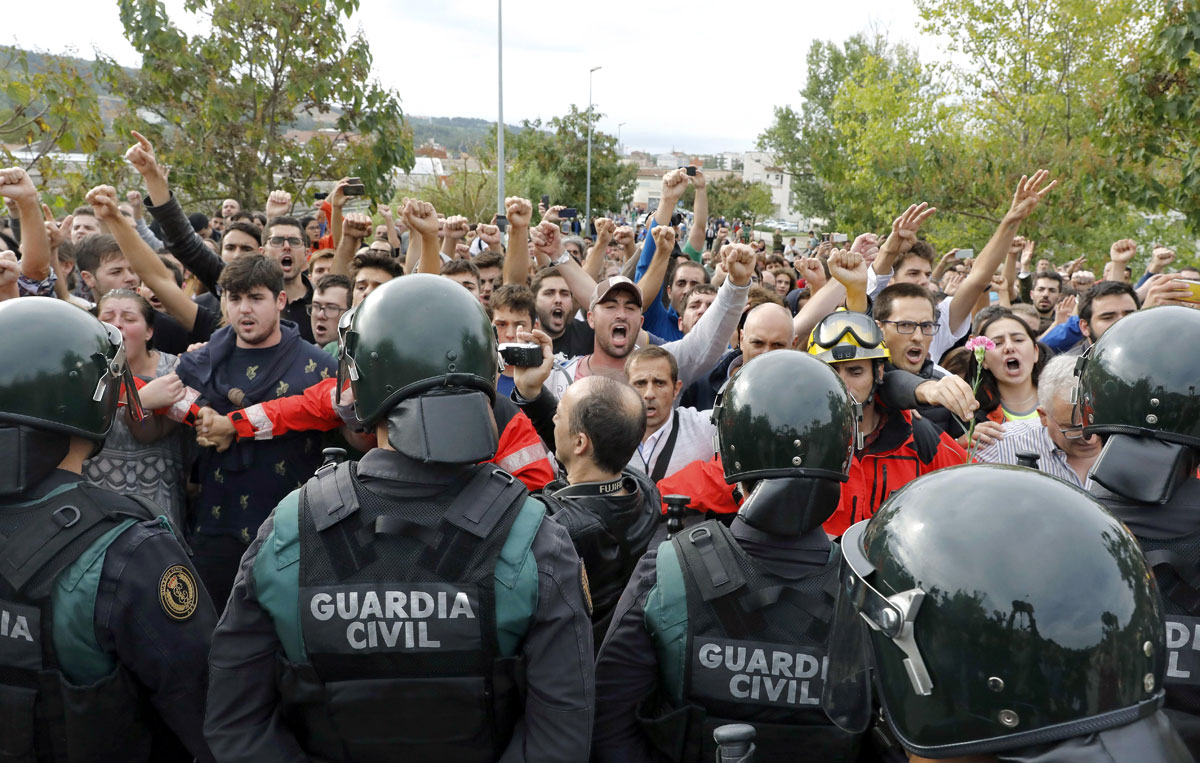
[(756, 653), (1176, 565), (43, 716), (397, 611)]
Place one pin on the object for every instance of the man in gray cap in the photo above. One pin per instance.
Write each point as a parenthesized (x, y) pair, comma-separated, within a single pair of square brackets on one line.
[(615, 314)]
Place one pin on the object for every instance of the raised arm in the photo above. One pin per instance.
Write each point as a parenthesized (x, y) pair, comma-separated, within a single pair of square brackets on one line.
[(421, 219), (700, 216), (516, 263), (651, 281), (548, 242), (674, 183), (18, 188), (385, 211), (180, 238), (594, 264), (1029, 193), (355, 227), (145, 262), (850, 270), (902, 237)]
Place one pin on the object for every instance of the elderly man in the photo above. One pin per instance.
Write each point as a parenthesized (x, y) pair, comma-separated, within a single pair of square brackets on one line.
[(1062, 448)]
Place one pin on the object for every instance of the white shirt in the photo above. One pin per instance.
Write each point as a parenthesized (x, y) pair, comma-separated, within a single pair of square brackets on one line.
[(694, 442)]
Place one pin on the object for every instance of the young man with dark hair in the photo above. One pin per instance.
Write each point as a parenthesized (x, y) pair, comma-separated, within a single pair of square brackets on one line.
[(103, 266), (84, 223), (331, 298), (490, 265), (513, 310), (285, 241), (464, 273), (1099, 308), (556, 310), (1047, 290), (695, 303), (371, 270), (257, 357)]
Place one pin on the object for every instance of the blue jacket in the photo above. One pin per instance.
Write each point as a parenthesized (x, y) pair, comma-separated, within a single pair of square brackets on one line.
[(657, 319)]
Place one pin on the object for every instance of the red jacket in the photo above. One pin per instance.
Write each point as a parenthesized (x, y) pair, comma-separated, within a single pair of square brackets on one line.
[(520, 452), (904, 450)]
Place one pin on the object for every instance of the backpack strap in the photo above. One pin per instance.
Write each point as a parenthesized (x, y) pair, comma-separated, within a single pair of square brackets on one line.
[(472, 516), (710, 559), (331, 492), (33, 557)]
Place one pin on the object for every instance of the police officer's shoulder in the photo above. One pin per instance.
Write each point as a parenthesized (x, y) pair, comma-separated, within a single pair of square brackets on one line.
[(277, 543), (148, 562)]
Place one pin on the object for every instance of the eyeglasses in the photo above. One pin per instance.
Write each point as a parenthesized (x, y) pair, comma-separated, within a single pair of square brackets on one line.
[(281, 240), (320, 308), (1072, 432), (928, 328)]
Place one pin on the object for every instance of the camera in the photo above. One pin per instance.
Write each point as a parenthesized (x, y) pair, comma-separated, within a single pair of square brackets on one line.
[(524, 354), (318, 195), (354, 187), (568, 213)]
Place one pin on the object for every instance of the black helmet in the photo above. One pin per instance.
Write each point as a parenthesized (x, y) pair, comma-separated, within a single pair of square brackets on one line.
[(63, 370), (786, 415), (1000, 608), (421, 352), (1138, 380)]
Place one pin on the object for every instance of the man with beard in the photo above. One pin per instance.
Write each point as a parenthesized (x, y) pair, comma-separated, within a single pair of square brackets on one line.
[(615, 313), (555, 307), (1100, 306), (1063, 450), (1047, 289)]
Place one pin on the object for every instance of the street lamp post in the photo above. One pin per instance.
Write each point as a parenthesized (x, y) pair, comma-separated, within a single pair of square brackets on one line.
[(619, 137), (500, 107), (588, 205)]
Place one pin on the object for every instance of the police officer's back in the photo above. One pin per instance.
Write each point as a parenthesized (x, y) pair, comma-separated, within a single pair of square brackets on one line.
[(104, 629), (417, 606), (721, 624), (1141, 390), (1000, 615)]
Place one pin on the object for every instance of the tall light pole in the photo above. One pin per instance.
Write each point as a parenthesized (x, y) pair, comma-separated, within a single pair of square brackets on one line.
[(500, 108), (588, 205), (619, 137)]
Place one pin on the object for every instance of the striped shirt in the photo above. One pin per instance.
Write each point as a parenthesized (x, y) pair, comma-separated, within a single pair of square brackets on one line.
[(1031, 436)]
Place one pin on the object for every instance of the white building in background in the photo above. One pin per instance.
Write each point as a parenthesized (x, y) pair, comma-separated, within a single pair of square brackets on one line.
[(426, 171), (760, 167)]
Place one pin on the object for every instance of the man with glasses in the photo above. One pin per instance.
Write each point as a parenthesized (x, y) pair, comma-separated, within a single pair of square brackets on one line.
[(330, 300), (285, 242), (1063, 450)]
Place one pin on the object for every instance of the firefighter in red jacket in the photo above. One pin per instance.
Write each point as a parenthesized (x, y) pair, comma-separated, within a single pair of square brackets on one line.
[(896, 448)]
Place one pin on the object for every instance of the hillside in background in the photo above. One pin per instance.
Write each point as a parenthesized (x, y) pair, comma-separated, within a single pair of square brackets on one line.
[(455, 134)]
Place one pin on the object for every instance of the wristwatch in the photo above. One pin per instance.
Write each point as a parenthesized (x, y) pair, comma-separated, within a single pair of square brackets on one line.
[(563, 258)]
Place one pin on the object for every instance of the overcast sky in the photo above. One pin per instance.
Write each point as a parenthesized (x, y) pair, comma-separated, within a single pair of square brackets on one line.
[(700, 76)]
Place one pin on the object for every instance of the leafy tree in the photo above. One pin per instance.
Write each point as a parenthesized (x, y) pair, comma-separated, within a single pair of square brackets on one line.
[(558, 158), (220, 103), (48, 111), (1152, 127), (467, 192), (735, 199)]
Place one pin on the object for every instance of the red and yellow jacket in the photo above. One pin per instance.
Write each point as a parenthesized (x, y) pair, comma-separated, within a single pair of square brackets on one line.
[(904, 449), (521, 452)]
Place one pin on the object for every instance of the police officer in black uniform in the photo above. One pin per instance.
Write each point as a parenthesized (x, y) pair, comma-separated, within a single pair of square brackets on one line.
[(1140, 390), (1001, 615), (721, 624), (415, 605), (104, 629)]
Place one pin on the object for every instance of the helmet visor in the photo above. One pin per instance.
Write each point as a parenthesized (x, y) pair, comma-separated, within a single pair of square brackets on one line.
[(859, 326), (846, 697), (118, 376)]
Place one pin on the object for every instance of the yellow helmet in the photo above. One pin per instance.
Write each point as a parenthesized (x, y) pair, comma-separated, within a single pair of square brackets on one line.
[(842, 336)]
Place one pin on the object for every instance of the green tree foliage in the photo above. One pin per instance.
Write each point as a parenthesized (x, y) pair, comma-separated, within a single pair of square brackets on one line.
[(218, 104), (467, 192), (557, 157), (735, 199), (50, 110), (879, 130), (1152, 126)]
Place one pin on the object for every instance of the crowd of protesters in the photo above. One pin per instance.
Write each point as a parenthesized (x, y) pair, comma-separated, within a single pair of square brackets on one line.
[(230, 320)]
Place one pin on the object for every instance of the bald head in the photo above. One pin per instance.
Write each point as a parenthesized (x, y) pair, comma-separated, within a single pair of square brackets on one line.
[(768, 327), (600, 420)]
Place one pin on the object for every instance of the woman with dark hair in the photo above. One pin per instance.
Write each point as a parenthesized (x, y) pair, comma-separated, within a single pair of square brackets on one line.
[(785, 281), (145, 458), (312, 228), (1008, 382)]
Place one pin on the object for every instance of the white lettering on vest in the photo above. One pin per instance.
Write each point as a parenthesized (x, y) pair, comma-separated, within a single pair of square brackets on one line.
[(14, 627)]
